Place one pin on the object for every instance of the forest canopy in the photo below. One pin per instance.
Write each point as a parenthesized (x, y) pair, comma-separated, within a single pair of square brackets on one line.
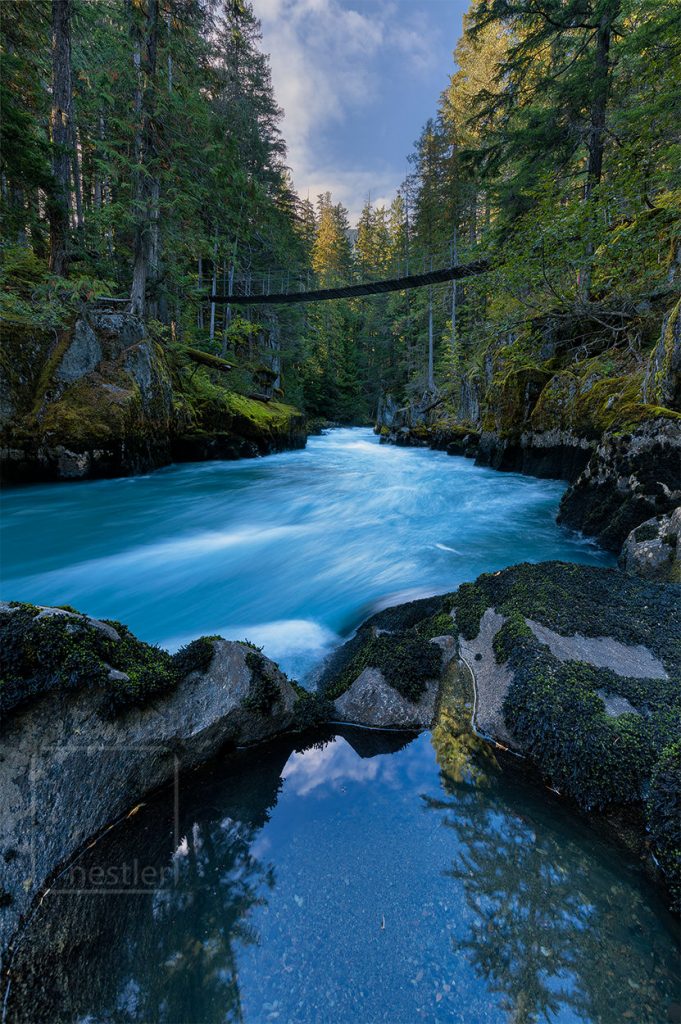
[(142, 157)]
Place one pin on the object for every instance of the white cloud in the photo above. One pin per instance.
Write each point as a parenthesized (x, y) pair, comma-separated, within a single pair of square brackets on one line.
[(325, 59)]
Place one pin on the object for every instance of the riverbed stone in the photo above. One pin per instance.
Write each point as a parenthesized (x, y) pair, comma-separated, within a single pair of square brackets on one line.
[(371, 701)]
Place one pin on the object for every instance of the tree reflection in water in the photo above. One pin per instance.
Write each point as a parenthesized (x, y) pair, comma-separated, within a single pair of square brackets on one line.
[(175, 946), (525, 863)]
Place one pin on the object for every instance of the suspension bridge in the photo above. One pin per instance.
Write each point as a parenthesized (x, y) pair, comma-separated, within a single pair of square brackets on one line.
[(280, 287)]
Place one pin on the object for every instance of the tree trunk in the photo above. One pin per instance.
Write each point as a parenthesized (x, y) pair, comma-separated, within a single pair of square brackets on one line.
[(61, 134), (154, 247), (431, 367), (599, 102), (144, 59), (77, 177), (199, 312), (214, 287), (275, 345), (596, 139), (455, 260)]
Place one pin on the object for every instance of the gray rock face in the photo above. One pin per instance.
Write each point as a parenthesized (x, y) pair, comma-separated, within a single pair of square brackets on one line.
[(628, 479), (123, 329), (491, 680), (635, 661), (371, 701), (66, 772), (82, 356), (653, 550)]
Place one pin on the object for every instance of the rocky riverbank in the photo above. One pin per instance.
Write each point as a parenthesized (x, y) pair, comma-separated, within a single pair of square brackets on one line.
[(105, 398), (93, 720), (608, 423)]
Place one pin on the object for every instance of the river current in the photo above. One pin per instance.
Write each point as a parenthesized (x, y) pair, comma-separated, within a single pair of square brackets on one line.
[(290, 552)]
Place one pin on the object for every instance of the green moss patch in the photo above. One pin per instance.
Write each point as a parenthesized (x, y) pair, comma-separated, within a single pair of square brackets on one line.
[(264, 693), (406, 660), (600, 394), (571, 599), (663, 811), (61, 653)]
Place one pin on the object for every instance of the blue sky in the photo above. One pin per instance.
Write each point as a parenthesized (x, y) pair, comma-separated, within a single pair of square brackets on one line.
[(357, 80)]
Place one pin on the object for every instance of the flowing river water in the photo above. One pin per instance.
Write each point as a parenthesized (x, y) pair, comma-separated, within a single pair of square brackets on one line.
[(362, 877)]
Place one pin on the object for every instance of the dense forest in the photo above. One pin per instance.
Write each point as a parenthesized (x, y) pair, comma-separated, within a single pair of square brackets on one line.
[(142, 156)]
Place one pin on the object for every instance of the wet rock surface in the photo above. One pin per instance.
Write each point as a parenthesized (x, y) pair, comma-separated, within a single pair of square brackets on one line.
[(576, 668), (629, 479)]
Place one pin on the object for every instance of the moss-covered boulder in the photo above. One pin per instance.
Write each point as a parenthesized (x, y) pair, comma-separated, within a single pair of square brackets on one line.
[(388, 674), (579, 669), (93, 719), (106, 398), (575, 668)]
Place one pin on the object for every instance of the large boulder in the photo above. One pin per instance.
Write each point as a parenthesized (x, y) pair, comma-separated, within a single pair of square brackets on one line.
[(388, 674), (653, 550), (578, 669), (372, 700), (93, 720)]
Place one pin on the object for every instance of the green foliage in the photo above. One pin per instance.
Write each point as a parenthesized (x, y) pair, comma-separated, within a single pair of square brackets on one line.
[(570, 598), (663, 813), (511, 634), (311, 710), (62, 652), (554, 712), (195, 656), (469, 604), (649, 531)]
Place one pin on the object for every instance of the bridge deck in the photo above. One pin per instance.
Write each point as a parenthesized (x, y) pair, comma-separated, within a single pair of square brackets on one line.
[(397, 284)]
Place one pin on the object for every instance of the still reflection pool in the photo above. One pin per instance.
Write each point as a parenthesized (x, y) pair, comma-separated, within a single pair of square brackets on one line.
[(366, 878)]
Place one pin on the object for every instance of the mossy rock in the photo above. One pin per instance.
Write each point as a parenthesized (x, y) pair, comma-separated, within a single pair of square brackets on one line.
[(663, 812), (52, 650), (511, 397), (595, 396), (600, 754)]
